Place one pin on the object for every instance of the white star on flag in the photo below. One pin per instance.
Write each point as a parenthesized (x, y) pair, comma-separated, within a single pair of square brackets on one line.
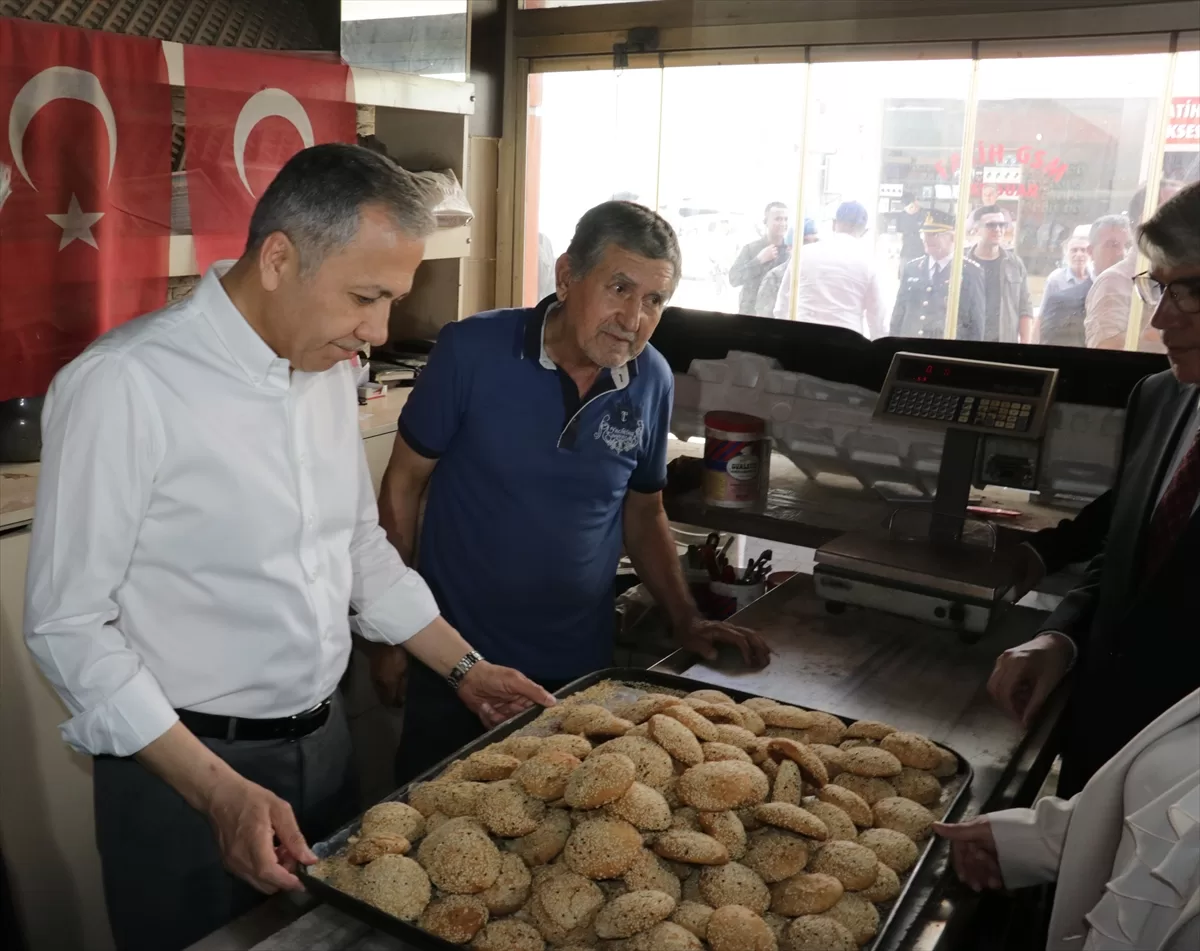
[(77, 224)]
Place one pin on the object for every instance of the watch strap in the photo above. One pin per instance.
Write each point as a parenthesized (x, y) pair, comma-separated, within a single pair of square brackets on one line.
[(455, 677)]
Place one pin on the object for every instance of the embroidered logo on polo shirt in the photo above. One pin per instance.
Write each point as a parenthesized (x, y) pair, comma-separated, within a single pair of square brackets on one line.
[(621, 429)]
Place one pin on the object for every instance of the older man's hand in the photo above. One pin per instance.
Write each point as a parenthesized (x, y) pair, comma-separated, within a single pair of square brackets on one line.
[(702, 636), (495, 694)]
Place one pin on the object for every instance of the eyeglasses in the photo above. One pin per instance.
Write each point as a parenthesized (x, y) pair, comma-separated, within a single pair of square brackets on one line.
[(1185, 293)]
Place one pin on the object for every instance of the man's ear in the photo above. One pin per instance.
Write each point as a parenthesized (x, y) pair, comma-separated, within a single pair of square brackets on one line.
[(562, 276), (276, 257)]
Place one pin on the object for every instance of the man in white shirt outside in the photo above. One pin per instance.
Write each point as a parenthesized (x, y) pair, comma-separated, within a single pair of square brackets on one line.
[(839, 286), (204, 523)]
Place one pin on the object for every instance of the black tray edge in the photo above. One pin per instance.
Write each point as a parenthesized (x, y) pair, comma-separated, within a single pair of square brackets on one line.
[(423, 941)]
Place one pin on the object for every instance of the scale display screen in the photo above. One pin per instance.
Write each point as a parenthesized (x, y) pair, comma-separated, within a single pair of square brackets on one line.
[(954, 393), (981, 377)]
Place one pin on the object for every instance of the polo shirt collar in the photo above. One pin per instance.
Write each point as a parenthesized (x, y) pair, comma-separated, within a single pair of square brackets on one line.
[(248, 350), (534, 344)]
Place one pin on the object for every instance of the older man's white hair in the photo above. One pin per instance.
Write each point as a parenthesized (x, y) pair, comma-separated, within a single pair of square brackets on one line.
[(1171, 238)]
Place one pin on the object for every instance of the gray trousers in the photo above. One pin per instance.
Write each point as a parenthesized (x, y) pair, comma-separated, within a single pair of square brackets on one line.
[(164, 884)]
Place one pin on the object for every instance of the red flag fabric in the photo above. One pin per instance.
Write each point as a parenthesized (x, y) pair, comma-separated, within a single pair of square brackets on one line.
[(84, 236), (247, 114)]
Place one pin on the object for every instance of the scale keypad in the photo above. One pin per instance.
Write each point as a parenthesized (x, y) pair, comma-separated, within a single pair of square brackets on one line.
[(1010, 415)]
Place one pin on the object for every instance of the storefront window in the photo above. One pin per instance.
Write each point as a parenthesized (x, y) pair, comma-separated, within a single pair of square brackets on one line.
[(729, 176), (590, 137), (880, 144), (1064, 147)]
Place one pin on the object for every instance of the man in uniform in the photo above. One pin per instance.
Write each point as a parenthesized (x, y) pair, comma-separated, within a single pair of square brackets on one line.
[(920, 309)]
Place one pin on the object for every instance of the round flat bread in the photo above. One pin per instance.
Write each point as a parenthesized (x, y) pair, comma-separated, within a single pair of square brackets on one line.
[(868, 730), (808, 893), (394, 818), (643, 807), (693, 916), (728, 784), (545, 775), (650, 873), (872, 762), (903, 815), (795, 819), (577, 746), (790, 718), (508, 810), (918, 785), (776, 854), (544, 844), (510, 891), (676, 739), (849, 802), (665, 936), (912, 749), (787, 785), (716, 752), (886, 887), (702, 728), (509, 935), (839, 824), (602, 848), (818, 933), (694, 848), (395, 884), (601, 778), (454, 918), (652, 764), (727, 829), (811, 767), (489, 767), (894, 849), (633, 913), (850, 863), (735, 884), (856, 915), (870, 789), (735, 928)]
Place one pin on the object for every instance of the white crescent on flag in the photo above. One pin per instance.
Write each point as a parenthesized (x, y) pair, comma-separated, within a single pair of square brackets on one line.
[(58, 82), (267, 102)]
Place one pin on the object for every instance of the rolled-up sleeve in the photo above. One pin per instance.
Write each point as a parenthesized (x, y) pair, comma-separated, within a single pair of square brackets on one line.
[(393, 602), (89, 509), (1108, 305)]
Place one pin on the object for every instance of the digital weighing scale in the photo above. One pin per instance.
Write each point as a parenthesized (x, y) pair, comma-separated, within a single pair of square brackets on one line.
[(934, 564)]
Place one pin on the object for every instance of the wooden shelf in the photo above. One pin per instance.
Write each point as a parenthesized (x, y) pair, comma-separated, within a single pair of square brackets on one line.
[(374, 87), (444, 244)]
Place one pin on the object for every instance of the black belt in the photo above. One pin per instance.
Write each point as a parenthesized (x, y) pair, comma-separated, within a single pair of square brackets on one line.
[(215, 727)]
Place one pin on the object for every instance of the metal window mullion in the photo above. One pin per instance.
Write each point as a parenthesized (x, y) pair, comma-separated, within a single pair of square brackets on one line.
[(798, 226), (1133, 330), (966, 172)]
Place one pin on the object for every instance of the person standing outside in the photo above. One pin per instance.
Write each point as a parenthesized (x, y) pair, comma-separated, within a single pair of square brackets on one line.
[(541, 436), (1007, 306), (839, 286), (908, 223), (204, 524), (920, 308), (761, 256), (1060, 318), (1114, 260)]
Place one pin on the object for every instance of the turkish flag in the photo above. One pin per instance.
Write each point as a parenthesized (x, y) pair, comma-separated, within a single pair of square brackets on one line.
[(247, 114), (84, 236)]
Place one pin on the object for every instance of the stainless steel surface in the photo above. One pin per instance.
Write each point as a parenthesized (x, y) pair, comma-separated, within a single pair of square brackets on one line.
[(961, 571), (925, 606)]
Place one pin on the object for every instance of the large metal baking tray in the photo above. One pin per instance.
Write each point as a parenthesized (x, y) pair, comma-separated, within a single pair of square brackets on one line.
[(635, 677)]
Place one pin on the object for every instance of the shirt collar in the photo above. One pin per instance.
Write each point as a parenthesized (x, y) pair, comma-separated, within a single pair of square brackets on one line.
[(534, 344), (248, 350)]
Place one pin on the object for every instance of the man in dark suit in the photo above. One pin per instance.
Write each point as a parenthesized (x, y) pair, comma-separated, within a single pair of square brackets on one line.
[(1133, 627), (920, 309)]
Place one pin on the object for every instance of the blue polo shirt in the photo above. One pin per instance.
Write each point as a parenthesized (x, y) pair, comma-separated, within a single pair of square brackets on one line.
[(523, 519)]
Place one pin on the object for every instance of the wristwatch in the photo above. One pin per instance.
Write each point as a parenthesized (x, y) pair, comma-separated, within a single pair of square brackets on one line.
[(455, 677)]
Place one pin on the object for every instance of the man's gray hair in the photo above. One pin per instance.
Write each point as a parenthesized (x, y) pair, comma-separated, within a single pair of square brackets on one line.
[(631, 227), (1103, 223), (318, 197), (1171, 238)]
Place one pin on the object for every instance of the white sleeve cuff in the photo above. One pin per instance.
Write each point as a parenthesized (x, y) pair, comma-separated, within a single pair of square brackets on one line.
[(132, 718), (1029, 842), (405, 609)]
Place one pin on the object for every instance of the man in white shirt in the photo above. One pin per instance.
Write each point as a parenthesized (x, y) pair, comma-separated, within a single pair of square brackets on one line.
[(838, 284), (1106, 310), (204, 523)]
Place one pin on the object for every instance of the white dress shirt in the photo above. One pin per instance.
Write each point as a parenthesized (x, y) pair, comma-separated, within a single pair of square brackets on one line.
[(838, 287), (204, 521)]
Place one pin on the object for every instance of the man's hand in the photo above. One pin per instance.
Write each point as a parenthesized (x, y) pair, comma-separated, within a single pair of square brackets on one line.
[(767, 254), (973, 852), (1028, 571), (703, 636), (495, 694), (247, 819), (1024, 676), (389, 670)]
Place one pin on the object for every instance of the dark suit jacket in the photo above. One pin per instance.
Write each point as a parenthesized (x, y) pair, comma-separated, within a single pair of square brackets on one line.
[(1075, 539), (920, 309), (1138, 637)]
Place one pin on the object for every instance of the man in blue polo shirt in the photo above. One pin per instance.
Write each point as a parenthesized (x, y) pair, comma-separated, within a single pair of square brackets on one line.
[(541, 434)]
